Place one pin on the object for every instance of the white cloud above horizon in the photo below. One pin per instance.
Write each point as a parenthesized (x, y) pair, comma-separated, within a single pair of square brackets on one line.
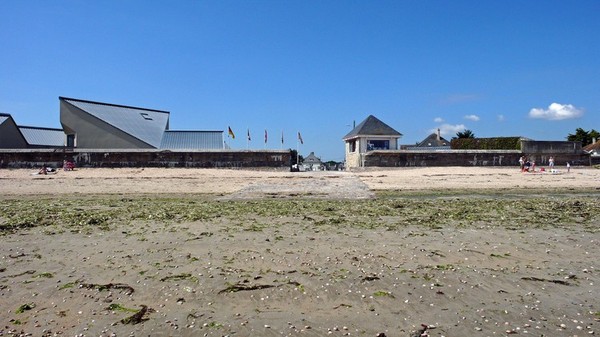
[(501, 118), (473, 118), (449, 129), (556, 112), (438, 120)]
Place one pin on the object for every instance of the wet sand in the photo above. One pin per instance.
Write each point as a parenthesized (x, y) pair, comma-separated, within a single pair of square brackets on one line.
[(304, 273)]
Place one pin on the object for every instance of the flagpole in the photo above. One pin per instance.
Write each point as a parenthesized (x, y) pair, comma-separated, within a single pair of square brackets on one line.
[(298, 150)]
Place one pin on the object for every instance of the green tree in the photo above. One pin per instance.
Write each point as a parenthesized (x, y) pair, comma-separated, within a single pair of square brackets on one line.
[(465, 134), (585, 137), (295, 157)]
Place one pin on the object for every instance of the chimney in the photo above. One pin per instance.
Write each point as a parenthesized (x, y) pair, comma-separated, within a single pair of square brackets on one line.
[(439, 136)]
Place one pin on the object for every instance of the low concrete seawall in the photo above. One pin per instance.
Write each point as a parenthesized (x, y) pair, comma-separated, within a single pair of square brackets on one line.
[(466, 158), (145, 158)]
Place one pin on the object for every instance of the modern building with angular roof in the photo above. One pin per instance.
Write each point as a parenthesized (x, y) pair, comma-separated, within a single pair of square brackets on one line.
[(109, 126), (370, 135), (97, 125)]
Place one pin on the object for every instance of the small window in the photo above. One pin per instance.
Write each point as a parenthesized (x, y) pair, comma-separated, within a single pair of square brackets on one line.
[(146, 116), (352, 146), (378, 145), (71, 140)]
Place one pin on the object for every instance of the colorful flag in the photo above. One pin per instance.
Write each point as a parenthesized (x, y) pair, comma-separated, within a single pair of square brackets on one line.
[(249, 139), (231, 134), (300, 138), (266, 136)]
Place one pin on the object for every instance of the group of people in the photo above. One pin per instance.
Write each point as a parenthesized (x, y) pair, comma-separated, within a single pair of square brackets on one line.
[(529, 166), (526, 165), (67, 166)]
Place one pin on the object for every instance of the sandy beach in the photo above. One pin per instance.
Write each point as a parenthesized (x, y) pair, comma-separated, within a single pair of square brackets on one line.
[(396, 252), (328, 183)]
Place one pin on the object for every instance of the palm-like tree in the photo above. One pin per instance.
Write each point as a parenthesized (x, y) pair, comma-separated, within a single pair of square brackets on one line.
[(465, 134)]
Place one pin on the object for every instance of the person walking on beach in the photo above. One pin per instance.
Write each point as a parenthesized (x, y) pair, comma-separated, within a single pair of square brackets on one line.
[(568, 167), (551, 162), (522, 162)]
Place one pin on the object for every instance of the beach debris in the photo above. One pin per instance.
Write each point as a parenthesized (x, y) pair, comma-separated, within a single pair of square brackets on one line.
[(138, 317), (101, 287), (119, 307), (177, 277), (25, 307), (342, 305), (370, 278), (545, 280), (245, 287), (421, 332), (16, 256), (23, 273)]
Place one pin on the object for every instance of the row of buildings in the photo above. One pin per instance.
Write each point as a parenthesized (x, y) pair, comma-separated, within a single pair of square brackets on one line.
[(374, 143), (96, 131), (95, 125)]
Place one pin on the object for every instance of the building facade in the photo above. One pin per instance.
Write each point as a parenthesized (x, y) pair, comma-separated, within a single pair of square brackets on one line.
[(370, 135)]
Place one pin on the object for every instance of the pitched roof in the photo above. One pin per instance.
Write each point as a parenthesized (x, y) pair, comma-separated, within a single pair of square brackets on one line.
[(311, 159), (43, 136), (147, 125), (192, 140), (3, 118), (433, 141), (372, 127), (592, 147)]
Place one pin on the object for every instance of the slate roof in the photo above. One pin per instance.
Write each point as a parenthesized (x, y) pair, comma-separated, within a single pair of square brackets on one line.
[(192, 140), (311, 159), (372, 127), (146, 125), (433, 141), (43, 136)]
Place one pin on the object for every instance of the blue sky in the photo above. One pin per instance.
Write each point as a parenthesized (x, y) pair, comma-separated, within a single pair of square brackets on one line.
[(498, 68)]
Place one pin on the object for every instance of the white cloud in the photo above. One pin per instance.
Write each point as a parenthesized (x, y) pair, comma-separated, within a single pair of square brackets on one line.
[(501, 118), (556, 112), (473, 118), (449, 130), (438, 120)]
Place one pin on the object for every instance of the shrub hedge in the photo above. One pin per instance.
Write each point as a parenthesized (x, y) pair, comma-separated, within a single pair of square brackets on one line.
[(497, 143)]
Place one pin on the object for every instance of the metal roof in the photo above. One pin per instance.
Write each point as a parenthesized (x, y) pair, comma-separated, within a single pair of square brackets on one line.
[(372, 126), (192, 140), (4, 119), (43, 136), (146, 125)]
